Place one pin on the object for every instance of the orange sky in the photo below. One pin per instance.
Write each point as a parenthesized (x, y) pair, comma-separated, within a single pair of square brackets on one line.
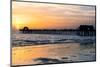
[(51, 16)]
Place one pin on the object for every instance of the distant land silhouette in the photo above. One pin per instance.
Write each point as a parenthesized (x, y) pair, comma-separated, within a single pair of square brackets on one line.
[(82, 30)]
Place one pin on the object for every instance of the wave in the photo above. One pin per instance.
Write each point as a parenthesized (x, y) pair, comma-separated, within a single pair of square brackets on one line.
[(38, 42), (23, 39)]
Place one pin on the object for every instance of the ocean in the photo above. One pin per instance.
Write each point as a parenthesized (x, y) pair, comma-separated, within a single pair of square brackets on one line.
[(51, 48)]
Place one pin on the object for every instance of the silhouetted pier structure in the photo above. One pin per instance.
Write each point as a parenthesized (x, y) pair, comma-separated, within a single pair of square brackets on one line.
[(83, 30), (86, 30)]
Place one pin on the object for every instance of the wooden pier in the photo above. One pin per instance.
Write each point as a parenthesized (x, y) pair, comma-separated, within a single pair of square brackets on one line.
[(83, 30)]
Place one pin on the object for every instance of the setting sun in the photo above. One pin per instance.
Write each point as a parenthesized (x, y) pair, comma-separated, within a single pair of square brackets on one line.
[(17, 22)]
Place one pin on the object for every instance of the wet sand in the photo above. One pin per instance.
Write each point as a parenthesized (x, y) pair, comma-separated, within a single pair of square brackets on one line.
[(53, 53)]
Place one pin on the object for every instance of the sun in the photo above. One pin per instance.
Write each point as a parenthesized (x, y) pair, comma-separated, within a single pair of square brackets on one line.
[(17, 22)]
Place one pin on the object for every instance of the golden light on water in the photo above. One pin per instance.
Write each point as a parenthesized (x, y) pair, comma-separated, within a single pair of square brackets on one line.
[(26, 55)]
